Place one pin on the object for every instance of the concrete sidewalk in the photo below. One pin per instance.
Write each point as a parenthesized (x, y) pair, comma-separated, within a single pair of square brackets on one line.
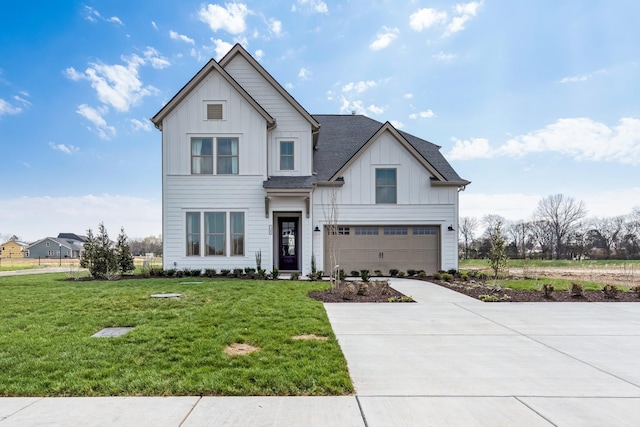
[(447, 360)]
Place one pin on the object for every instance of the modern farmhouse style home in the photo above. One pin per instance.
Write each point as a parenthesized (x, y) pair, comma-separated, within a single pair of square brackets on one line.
[(246, 169)]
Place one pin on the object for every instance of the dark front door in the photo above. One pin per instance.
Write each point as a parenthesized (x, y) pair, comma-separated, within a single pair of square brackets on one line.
[(288, 247)]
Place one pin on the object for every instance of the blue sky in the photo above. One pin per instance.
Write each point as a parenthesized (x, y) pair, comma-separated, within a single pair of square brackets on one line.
[(526, 98)]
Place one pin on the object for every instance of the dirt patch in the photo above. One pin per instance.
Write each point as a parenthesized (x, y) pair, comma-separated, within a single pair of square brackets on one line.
[(309, 337), (240, 349), (356, 291)]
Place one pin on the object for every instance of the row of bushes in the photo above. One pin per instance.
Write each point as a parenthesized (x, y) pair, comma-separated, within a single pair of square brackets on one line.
[(577, 290), (246, 273)]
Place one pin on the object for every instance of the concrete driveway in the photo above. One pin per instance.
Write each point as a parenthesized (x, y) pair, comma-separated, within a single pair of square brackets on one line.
[(450, 360)]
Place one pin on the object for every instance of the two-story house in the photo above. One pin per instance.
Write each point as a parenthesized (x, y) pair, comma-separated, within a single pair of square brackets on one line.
[(246, 169), (66, 245), (13, 248)]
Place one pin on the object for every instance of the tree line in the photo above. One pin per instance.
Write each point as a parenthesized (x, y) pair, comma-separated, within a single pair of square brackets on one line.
[(558, 229)]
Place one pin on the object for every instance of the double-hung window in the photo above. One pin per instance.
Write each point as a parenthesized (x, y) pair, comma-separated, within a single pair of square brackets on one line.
[(237, 233), (223, 149), (286, 156), (215, 230), (201, 156), (227, 156), (386, 186), (193, 233)]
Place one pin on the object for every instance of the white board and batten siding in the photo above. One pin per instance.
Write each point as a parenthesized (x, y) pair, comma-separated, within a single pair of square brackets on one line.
[(418, 202), (291, 125)]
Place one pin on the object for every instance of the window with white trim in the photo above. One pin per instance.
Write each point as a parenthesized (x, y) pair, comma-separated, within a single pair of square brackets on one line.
[(223, 234), (227, 156), (386, 186), (201, 156), (215, 230), (193, 233), (286, 155), (223, 149), (237, 233)]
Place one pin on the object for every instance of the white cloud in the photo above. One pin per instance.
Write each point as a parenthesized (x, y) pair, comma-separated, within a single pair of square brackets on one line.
[(375, 109), (396, 124), (155, 59), (258, 54), (464, 13), (221, 48), (310, 6), (422, 115), (8, 109), (580, 138), (22, 100), (154, 25), (349, 107), (119, 85), (407, 96), (426, 18), (230, 18), (92, 15), (275, 26), (64, 148), (384, 38), (358, 87), (176, 36), (144, 124), (115, 20), (574, 79), (444, 57), (95, 116), (140, 217), (475, 148), (304, 74)]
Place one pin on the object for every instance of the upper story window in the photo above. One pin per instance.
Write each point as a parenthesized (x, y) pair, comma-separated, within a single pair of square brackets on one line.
[(286, 155), (203, 151), (386, 186), (228, 156)]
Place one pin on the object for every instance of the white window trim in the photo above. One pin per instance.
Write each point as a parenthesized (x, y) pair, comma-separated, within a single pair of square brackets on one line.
[(296, 156), (227, 231), (214, 151), (375, 184)]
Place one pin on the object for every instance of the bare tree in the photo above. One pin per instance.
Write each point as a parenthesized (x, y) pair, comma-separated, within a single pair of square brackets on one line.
[(330, 210), (517, 231), (468, 226), (606, 232), (563, 214)]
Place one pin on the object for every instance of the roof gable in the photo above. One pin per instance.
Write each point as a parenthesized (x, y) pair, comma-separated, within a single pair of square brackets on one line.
[(344, 138), (210, 67), (238, 50)]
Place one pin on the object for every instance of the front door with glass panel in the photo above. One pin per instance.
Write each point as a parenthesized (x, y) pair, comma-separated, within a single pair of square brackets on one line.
[(288, 244)]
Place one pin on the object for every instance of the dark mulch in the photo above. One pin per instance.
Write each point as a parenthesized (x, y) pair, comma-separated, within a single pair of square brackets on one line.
[(535, 296), (376, 292)]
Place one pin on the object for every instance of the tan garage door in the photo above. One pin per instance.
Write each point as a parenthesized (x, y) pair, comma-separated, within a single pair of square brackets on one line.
[(374, 247)]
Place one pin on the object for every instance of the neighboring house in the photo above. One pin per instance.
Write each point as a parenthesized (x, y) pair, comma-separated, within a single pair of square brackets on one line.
[(247, 169), (13, 249), (66, 245)]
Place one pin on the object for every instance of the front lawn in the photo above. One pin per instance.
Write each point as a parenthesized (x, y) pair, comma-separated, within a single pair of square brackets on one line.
[(176, 346)]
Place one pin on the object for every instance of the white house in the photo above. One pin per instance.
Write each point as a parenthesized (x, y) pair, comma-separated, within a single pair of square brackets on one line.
[(246, 169)]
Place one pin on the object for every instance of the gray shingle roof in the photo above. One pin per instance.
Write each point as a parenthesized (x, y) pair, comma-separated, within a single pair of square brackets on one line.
[(341, 136), (289, 182)]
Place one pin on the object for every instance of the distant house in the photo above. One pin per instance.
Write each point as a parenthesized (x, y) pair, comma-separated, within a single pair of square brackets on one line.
[(66, 245), (13, 249)]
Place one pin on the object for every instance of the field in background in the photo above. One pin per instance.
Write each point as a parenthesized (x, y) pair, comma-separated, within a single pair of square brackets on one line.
[(11, 264)]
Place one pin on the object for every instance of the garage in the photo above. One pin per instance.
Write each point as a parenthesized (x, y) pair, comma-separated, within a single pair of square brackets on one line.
[(377, 247)]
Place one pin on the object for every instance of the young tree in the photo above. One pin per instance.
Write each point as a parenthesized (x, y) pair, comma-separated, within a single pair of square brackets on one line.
[(124, 258), (98, 255), (497, 253), (562, 214)]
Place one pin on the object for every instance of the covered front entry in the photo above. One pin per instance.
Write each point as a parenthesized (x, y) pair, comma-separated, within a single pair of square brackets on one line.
[(287, 242), (374, 247)]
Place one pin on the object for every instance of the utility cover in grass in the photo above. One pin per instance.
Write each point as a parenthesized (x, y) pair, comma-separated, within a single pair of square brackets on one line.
[(111, 332), (166, 295)]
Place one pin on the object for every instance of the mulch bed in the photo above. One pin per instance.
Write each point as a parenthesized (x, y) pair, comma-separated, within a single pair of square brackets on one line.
[(376, 292)]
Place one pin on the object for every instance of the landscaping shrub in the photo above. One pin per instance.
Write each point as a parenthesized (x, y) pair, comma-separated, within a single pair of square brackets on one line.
[(422, 273), (341, 274), (274, 273), (438, 276), (547, 290), (364, 275), (411, 272), (610, 291), (355, 273), (576, 290), (237, 272), (494, 298), (378, 273), (393, 272), (294, 275), (447, 277), (636, 290), (225, 272), (171, 272), (210, 272), (452, 271), (196, 272), (363, 288)]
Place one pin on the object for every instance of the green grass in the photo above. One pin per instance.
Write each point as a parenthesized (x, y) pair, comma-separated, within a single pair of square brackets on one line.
[(519, 263), (559, 284), (176, 347)]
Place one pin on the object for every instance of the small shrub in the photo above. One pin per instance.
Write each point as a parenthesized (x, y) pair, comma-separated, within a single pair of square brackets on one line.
[(610, 291), (378, 273), (465, 277), (295, 275), (349, 291), (196, 272), (547, 290), (249, 270), (171, 272), (481, 276), (225, 272), (494, 298), (393, 272), (237, 272), (363, 288), (400, 273), (411, 272), (447, 277), (274, 273), (355, 273), (210, 272), (422, 273), (341, 274), (576, 290), (437, 276), (384, 286), (452, 271), (179, 273), (636, 290), (364, 275)]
